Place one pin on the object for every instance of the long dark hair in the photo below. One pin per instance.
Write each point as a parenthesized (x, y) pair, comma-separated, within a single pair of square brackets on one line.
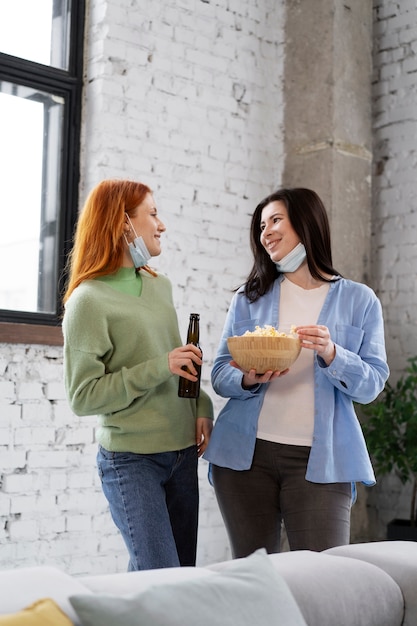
[(308, 217)]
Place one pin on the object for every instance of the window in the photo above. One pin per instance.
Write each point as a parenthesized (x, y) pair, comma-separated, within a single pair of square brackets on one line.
[(41, 47)]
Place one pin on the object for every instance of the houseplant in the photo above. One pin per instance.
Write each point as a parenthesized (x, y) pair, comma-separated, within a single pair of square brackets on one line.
[(391, 436)]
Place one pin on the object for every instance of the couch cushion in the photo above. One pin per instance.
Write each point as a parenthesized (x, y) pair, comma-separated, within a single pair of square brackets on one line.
[(44, 612), (23, 586), (398, 559), (334, 590), (249, 592), (126, 583)]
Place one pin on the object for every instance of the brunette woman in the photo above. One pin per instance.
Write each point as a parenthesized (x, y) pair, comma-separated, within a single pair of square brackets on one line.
[(288, 446)]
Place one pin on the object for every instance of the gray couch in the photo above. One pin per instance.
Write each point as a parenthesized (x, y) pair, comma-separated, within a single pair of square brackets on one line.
[(368, 584)]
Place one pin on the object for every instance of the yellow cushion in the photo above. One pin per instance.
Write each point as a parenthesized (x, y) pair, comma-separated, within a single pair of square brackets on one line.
[(44, 612)]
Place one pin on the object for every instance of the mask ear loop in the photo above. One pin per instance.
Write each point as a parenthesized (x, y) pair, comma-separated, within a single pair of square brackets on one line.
[(130, 228)]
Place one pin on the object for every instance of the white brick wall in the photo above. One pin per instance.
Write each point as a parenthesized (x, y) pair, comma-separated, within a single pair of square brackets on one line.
[(395, 207), (51, 505), (187, 96)]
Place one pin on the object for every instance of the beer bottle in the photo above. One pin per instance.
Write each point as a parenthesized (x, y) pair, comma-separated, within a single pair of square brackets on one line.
[(188, 388)]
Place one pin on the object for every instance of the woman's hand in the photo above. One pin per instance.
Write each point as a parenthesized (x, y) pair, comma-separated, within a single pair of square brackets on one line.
[(203, 428), (185, 355), (251, 378), (317, 338)]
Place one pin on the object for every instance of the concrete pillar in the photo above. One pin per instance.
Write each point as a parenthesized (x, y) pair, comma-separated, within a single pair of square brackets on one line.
[(327, 127), (327, 118)]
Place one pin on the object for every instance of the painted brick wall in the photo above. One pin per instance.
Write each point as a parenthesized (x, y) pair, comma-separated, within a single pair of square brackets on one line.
[(185, 95), (395, 208)]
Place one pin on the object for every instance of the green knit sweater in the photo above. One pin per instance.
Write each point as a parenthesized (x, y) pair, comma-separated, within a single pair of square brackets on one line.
[(116, 349)]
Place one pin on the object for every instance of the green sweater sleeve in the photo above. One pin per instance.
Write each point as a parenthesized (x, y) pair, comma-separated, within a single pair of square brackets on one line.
[(101, 373)]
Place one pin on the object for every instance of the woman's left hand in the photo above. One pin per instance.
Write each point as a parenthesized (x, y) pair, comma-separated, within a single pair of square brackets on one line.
[(203, 428), (317, 338), (251, 378)]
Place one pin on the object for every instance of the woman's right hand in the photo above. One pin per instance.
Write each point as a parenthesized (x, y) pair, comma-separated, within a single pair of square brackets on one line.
[(251, 378), (185, 356)]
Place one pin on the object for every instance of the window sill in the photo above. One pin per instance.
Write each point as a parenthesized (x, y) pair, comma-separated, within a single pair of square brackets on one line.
[(31, 333)]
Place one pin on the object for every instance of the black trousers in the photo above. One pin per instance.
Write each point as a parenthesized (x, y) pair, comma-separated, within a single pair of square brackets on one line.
[(255, 502)]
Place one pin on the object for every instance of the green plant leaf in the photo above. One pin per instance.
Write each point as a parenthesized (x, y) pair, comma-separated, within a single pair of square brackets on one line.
[(391, 428)]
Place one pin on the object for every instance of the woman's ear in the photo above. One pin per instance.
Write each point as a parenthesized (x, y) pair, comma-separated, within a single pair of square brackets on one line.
[(126, 226)]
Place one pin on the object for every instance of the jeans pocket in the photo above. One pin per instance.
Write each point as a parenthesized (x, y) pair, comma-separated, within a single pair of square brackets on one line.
[(103, 459)]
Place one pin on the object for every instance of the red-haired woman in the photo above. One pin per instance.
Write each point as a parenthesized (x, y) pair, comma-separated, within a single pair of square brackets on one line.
[(122, 358)]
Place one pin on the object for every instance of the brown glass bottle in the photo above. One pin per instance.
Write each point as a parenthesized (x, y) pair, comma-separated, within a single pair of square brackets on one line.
[(188, 388)]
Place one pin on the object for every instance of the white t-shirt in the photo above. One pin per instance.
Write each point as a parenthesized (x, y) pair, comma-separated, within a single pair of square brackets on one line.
[(287, 414)]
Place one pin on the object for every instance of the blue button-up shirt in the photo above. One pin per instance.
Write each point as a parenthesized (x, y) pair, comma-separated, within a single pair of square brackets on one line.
[(358, 373)]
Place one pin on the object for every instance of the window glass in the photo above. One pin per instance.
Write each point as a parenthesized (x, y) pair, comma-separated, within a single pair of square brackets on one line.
[(30, 153), (41, 79), (36, 30)]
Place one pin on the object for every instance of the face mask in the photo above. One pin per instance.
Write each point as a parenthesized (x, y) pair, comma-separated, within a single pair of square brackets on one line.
[(137, 248), (292, 260), (139, 252)]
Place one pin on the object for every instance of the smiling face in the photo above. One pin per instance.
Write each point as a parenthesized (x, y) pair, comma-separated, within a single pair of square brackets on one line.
[(278, 237), (147, 225)]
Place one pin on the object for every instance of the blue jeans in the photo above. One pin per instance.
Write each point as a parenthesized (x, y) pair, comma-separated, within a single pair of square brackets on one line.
[(153, 501)]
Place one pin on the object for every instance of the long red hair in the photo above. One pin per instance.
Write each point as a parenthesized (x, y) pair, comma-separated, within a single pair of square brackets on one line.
[(99, 241)]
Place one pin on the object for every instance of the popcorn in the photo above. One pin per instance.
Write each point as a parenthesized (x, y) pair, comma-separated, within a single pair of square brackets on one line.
[(269, 331)]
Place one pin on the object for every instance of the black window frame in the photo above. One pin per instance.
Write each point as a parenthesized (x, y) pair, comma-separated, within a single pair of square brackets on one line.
[(15, 325)]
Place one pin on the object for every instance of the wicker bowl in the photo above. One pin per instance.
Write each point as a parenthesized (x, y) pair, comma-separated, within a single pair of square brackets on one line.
[(264, 353)]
